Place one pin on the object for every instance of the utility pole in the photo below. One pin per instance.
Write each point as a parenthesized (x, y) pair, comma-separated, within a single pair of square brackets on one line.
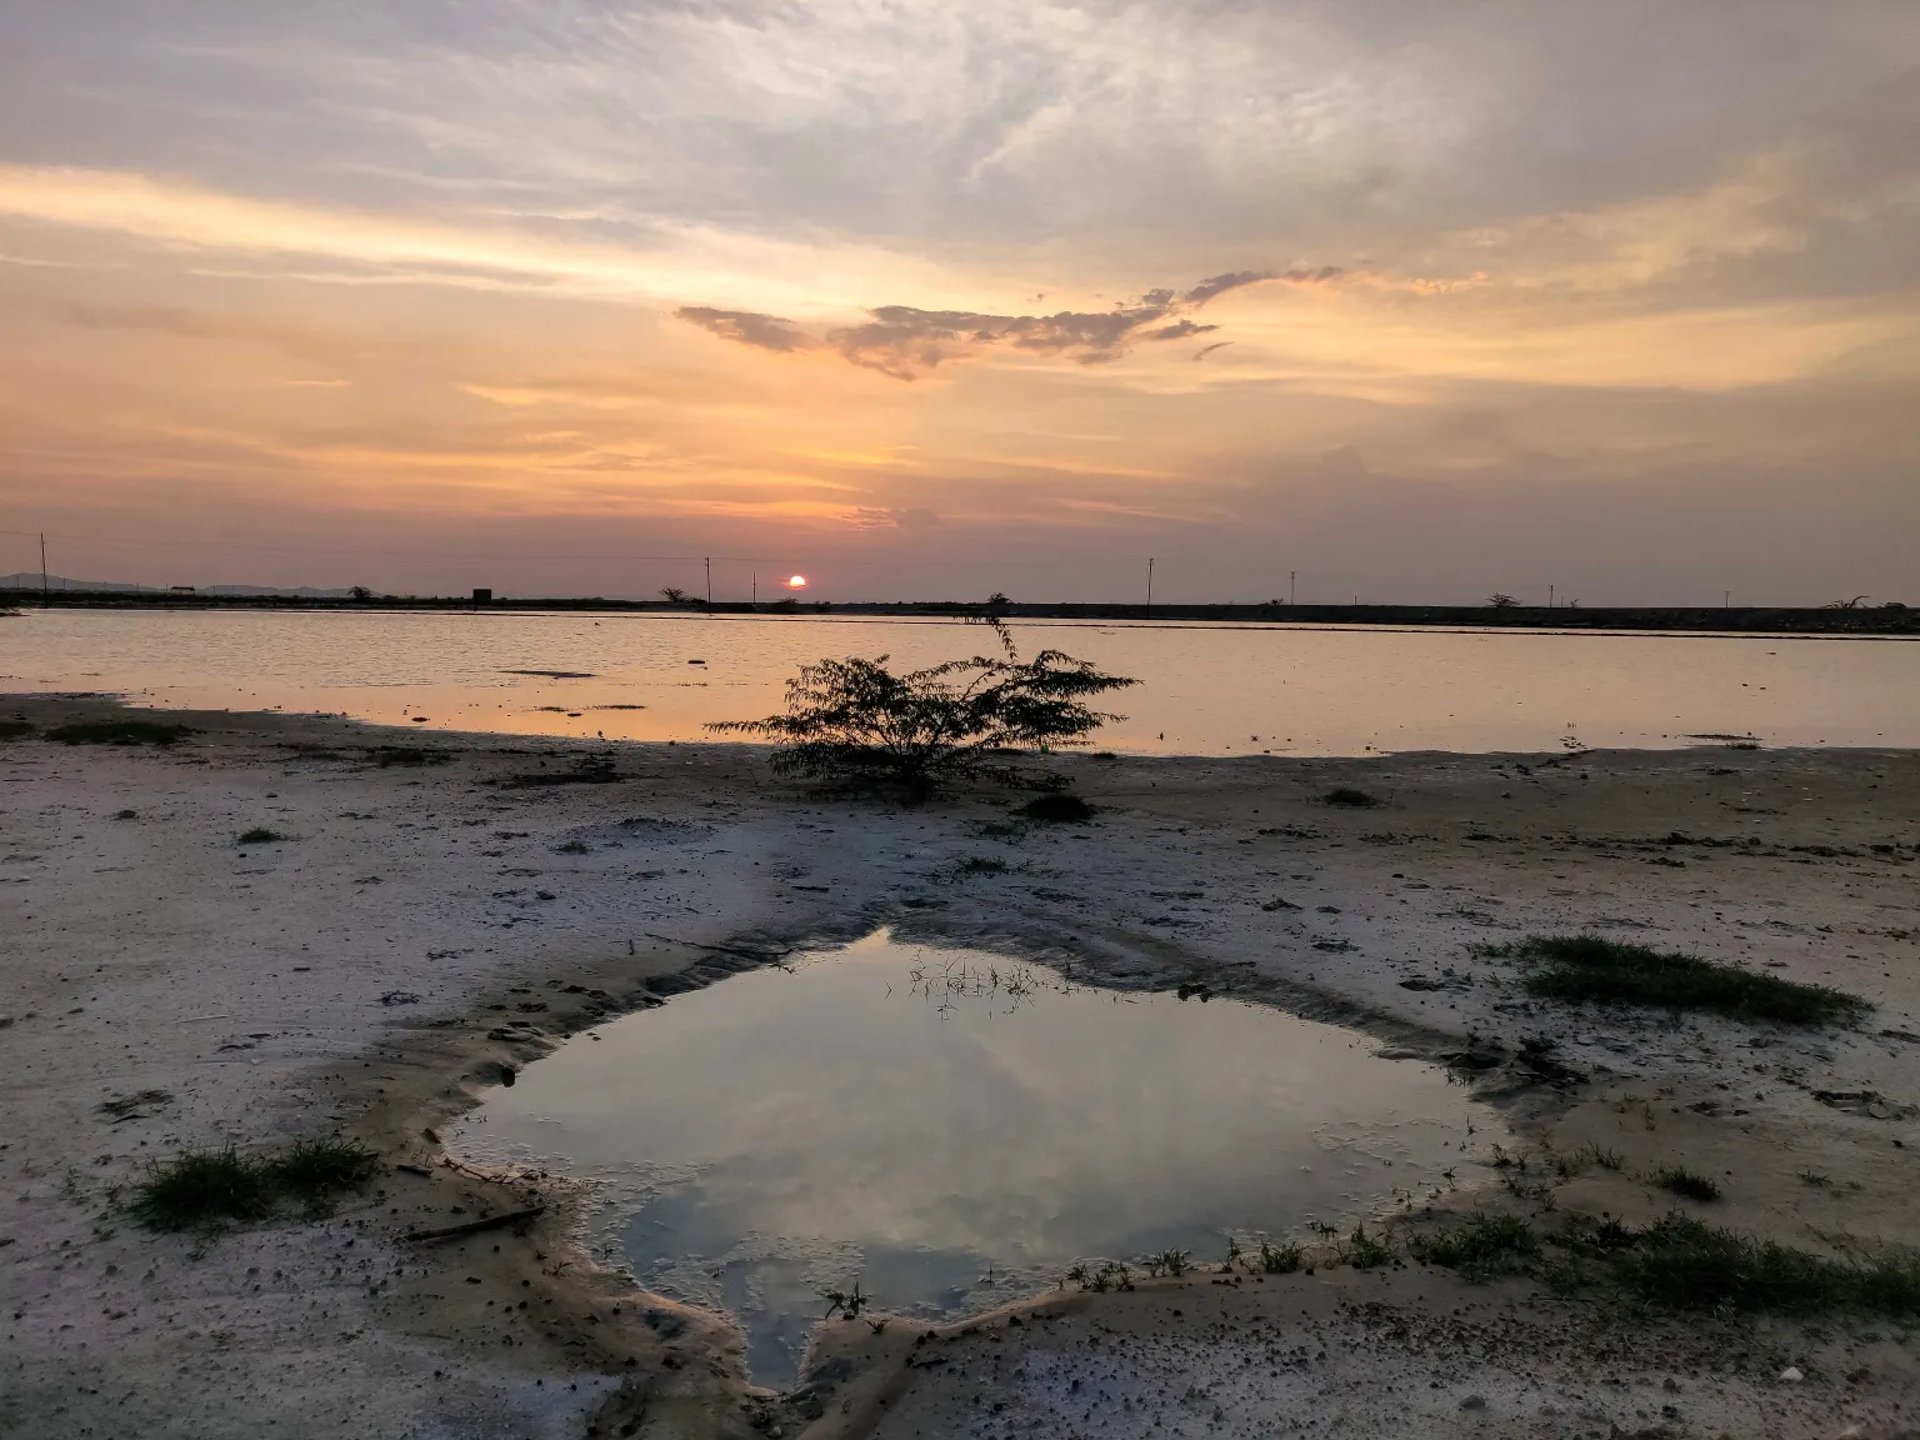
[(44, 601), (1549, 597), (756, 589), (1149, 584), (1726, 599), (709, 563), (1292, 576)]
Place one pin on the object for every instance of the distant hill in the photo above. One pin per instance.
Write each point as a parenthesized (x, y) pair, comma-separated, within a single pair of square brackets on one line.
[(30, 580)]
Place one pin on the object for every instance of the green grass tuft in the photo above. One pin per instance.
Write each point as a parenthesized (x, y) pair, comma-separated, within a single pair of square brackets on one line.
[(208, 1189), (1057, 807), (1281, 1259), (316, 1172), (1678, 1180), (1351, 798), (1485, 1242), (259, 835), (120, 732), (1363, 1251), (202, 1190), (1684, 1264), (1588, 967)]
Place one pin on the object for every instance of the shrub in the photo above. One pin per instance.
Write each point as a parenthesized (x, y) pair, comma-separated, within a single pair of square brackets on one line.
[(15, 729), (314, 1172), (856, 721), (259, 835), (1587, 967)]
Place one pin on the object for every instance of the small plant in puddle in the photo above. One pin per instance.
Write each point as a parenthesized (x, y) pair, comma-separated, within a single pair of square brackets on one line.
[(1350, 798), (1591, 968), (259, 835), (1234, 1254), (1281, 1259), (1678, 1180), (845, 1302)]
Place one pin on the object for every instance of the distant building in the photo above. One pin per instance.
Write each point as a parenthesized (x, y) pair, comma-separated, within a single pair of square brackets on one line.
[(482, 595)]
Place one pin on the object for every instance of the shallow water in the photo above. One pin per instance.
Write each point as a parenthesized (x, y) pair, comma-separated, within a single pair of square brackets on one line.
[(954, 1129), (1229, 690)]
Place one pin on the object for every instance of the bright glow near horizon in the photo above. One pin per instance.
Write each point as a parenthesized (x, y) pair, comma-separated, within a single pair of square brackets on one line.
[(1420, 302)]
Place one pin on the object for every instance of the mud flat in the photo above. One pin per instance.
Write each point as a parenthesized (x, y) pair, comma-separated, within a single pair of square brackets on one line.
[(429, 924)]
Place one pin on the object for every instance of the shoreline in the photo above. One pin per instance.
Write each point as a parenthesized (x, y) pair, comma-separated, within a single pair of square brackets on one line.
[(421, 886), (1892, 620)]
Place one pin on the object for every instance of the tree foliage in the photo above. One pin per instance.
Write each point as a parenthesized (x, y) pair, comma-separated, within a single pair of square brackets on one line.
[(858, 721), (1500, 600)]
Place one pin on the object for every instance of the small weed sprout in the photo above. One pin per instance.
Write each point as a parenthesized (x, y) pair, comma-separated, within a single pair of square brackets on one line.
[(845, 1302), (259, 835), (1169, 1262)]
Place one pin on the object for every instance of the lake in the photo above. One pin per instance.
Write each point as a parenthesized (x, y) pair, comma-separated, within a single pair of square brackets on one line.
[(1220, 690)]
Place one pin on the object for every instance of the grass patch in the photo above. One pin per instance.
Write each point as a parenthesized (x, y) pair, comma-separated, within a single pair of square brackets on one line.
[(203, 1190), (1057, 807), (1588, 967), (1351, 798), (210, 1189), (981, 865), (259, 835), (315, 1173), (120, 732), (1363, 1251), (15, 729), (386, 756), (1684, 1264), (1279, 1259), (1690, 1184), (1485, 1243)]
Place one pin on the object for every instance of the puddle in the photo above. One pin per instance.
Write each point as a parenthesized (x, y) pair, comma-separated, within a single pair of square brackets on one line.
[(955, 1129)]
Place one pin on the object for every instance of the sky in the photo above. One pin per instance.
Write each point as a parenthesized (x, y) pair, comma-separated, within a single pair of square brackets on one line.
[(1413, 302)]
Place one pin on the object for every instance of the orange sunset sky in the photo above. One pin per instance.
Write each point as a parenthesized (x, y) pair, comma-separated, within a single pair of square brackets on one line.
[(926, 300)]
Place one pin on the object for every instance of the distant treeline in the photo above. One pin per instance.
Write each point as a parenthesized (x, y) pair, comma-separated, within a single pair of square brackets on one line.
[(1890, 619)]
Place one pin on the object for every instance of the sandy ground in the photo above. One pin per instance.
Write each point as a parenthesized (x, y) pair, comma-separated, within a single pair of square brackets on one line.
[(421, 934)]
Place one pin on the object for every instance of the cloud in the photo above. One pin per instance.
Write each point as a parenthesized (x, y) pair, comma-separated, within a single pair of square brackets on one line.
[(1179, 330), (1206, 350), (911, 518), (906, 342), (748, 327)]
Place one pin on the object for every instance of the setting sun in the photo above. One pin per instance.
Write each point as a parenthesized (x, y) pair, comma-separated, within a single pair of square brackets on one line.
[(796, 582)]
